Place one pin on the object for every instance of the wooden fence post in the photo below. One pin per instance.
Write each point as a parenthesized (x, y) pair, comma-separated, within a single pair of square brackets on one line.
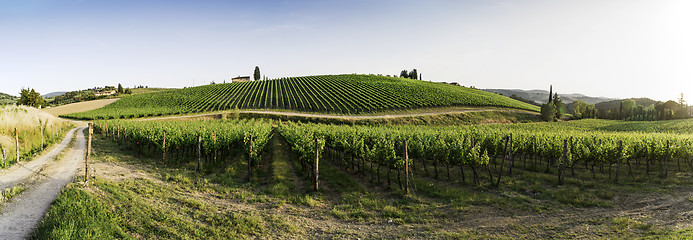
[(250, 159), (199, 151), (41, 130), (4, 158), (315, 168), (406, 168), (87, 157), (16, 141)]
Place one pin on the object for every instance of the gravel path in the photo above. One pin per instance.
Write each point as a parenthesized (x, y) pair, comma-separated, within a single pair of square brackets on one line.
[(20, 216)]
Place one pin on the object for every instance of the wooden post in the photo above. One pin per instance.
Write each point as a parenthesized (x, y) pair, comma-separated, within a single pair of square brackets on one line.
[(41, 129), (406, 168), (199, 151), (315, 167), (215, 147), (4, 158), (87, 157), (512, 160), (666, 167), (250, 159), (16, 141), (505, 153), (163, 149), (561, 167), (618, 159)]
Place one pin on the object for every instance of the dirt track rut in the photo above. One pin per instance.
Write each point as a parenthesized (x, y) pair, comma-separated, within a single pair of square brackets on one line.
[(44, 178)]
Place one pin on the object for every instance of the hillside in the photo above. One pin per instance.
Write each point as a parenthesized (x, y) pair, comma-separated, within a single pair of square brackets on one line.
[(7, 99), (611, 105), (335, 94), (542, 96), (53, 94)]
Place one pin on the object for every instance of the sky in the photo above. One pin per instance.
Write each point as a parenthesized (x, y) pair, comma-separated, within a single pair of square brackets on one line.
[(608, 48)]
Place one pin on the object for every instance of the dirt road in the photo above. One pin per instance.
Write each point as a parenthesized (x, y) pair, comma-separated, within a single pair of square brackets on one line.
[(43, 178)]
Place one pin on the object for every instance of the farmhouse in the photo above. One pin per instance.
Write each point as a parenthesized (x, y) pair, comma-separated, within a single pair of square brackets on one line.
[(240, 79), (105, 93)]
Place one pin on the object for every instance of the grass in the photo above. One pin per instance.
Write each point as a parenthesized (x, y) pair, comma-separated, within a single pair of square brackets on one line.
[(26, 120), (8, 194), (176, 202)]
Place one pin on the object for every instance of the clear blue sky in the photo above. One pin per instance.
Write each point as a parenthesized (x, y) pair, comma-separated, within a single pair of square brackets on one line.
[(612, 48)]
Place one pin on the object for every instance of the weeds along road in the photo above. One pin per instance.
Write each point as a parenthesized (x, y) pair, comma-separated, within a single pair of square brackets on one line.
[(43, 179)]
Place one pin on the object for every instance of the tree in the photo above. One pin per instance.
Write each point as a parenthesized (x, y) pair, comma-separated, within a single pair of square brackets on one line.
[(628, 107), (256, 75), (414, 74), (559, 106), (404, 74), (580, 109), (548, 112), (31, 98), (550, 92), (120, 89)]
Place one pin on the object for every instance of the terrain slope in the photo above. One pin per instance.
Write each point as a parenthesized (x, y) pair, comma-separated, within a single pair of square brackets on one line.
[(332, 94)]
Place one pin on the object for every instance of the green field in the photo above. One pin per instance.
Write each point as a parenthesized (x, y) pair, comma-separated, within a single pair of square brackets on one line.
[(333, 94)]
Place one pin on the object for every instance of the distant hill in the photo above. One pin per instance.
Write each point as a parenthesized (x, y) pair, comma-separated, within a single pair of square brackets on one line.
[(335, 94), (7, 99), (542, 96), (616, 103), (53, 94)]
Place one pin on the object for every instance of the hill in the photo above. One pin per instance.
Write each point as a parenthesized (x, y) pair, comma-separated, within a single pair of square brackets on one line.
[(7, 99), (542, 96), (611, 105), (96, 93), (336, 94), (53, 94)]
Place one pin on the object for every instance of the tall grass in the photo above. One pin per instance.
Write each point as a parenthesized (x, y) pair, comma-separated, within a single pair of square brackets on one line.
[(29, 122)]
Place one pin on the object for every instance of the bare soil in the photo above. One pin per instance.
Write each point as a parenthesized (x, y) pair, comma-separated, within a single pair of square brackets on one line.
[(79, 107)]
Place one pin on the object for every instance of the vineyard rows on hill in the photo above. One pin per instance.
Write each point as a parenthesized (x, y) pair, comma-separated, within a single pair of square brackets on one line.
[(340, 94)]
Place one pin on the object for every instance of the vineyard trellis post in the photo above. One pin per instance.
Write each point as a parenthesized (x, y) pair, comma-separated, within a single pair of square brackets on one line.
[(88, 155), (406, 168), (199, 152), (250, 159), (618, 160), (666, 166), (510, 153), (561, 168), (315, 167), (505, 153), (163, 149)]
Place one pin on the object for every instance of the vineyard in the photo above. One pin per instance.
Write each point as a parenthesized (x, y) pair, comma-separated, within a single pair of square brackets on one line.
[(336, 94), (207, 143), (489, 151), (387, 176), (493, 150)]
